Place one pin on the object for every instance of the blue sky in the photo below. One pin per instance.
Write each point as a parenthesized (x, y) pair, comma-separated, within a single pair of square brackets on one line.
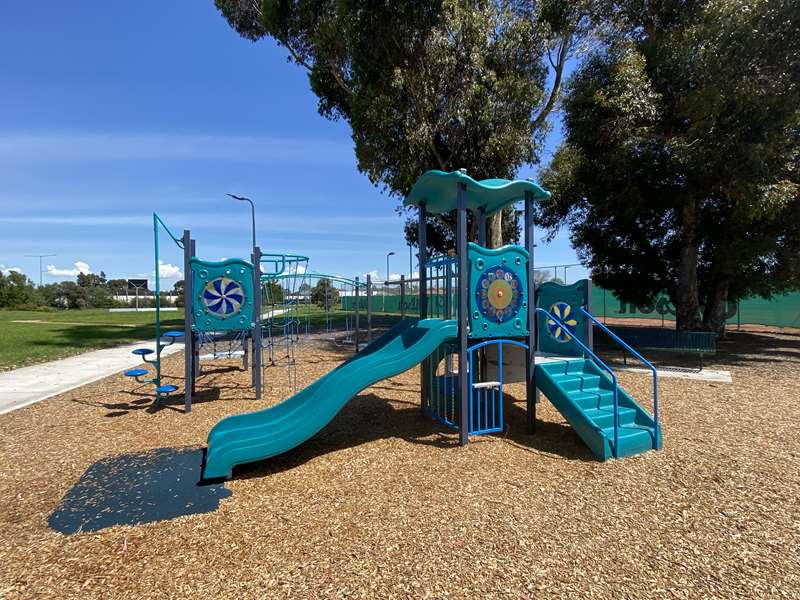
[(109, 111)]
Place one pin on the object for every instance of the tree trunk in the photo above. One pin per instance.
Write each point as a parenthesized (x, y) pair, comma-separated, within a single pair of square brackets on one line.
[(495, 225), (687, 302), (716, 308)]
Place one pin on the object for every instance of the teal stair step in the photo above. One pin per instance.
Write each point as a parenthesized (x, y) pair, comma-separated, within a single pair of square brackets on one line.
[(592, 398), (142, 351), (633, 439), (604, 417), (576, 381), (136, 372), (166, 389)]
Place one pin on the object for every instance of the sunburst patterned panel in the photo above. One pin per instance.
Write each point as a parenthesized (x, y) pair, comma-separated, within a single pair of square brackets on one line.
[(498, 294), (563, 312), (223, 297)]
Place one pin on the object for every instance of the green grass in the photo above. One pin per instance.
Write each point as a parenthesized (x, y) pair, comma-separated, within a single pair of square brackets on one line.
[(68, 332), (64, 333)]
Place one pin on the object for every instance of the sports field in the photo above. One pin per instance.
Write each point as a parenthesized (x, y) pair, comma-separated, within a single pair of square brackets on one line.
[(28, 337)]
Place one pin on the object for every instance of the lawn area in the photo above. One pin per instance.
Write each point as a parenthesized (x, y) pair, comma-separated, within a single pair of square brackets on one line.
[(28, 337)]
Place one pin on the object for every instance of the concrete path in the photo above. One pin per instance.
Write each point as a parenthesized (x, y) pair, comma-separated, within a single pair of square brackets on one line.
[(27, 385)]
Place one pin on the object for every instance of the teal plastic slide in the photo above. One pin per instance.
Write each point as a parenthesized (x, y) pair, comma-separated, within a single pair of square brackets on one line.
[(583, 393), (241, 439)]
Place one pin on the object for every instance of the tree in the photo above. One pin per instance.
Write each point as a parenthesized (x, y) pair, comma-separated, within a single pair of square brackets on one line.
[(16, 290), (679, 171), (87, 280), (274, 292), (428, 85), (179, 289), (324, 294)]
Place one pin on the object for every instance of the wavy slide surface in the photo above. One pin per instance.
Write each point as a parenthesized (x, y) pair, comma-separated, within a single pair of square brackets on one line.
[(241, 439)]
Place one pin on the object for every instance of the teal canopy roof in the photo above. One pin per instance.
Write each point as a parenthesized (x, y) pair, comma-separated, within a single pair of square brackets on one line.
[(439, 191)]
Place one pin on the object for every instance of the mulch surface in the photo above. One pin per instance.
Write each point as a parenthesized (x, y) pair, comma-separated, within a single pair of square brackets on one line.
[(384, 503)]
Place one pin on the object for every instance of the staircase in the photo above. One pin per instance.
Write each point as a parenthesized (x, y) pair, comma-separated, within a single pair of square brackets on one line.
[(141, 374), (584, 394)]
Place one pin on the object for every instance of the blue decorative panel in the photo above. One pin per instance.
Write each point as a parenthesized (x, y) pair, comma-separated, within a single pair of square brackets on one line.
[(223, 295), (498, 291)]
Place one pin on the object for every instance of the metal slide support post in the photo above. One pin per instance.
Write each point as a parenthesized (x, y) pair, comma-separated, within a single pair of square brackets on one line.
[(463, 282), (402, 296), (530, 353), (355, 337), (482, 226), (369, 308), (423, 296), (188, 351), (257, 324), (195, 346)]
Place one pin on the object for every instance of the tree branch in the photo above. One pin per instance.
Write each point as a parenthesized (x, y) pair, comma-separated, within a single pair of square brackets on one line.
[(563, 52)]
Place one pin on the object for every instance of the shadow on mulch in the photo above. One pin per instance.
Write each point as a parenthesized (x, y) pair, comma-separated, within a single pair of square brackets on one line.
[(368, 418), (133, 489)]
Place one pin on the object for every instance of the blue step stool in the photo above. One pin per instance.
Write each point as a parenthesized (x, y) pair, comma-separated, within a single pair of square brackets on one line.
[(166, 389), (172, 334), (142, 351), (135, 372)]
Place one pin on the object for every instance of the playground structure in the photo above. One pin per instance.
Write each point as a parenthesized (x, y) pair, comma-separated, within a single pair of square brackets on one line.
[(251, 309), (480, 314)]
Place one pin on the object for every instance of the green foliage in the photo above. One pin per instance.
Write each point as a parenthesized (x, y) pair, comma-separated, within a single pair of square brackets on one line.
[(273, 292), (426, 85), (16, 290), (324, 294), (679, 171)]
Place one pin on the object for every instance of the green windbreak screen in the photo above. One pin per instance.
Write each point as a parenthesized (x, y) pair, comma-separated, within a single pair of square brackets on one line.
[(781, 311)]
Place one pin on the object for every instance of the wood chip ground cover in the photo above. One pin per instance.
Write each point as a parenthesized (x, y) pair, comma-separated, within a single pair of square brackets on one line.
[(383, 503)]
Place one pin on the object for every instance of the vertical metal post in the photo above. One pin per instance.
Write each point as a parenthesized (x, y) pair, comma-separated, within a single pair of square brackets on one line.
[(531, 394), (402, 296), (482, 226), (463, 283), (589, 325), (188, 352), (195, 345), (423, 298), (256, 338), (355, 337), (423, 259), (369, 308)]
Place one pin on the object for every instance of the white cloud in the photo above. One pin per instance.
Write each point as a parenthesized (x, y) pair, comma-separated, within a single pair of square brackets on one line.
[(394, 276), (168, 271), (373, 276), (79, 267), (6, 270)]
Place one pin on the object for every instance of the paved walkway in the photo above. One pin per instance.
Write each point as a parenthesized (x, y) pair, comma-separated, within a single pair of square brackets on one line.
[(28, 385)]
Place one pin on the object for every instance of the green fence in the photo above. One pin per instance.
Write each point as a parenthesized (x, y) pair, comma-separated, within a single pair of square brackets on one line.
[(781, 311)]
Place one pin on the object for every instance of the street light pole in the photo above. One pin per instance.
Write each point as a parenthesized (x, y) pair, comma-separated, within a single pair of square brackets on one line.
[(252, 213), (40, 257), (387, 264)]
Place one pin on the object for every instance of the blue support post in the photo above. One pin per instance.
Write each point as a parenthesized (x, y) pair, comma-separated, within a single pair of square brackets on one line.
[(256, 337), (530, 352), (463, 312), (188, 346), (423, 295)]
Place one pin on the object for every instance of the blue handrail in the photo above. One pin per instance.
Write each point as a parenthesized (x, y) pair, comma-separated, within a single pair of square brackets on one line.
[(644, 361), (596, 359)]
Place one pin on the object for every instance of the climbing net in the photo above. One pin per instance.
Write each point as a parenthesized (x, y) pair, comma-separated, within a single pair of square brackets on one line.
[(283, 276)]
